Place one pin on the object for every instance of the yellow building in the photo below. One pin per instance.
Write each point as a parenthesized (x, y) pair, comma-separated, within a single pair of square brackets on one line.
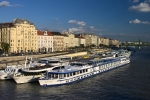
[(104, 41), (71, 39), (88, 40), (20, 34), (114, 42), (58, 41), (66, 41)]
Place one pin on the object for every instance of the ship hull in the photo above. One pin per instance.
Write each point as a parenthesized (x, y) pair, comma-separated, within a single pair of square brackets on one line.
[(57, 82), (26, 79)]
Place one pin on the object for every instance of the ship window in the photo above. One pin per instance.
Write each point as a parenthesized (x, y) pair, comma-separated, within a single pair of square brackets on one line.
[(19, 70), (53, 61), (67, 75), (52, 75), (56, 76), (73, 73), (83, 70), (64, 75), (70, 74), (60, 76), (90, 63), (80, 71)]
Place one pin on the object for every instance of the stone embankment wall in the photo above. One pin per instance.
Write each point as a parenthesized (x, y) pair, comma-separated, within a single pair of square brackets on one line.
[(14, 60)]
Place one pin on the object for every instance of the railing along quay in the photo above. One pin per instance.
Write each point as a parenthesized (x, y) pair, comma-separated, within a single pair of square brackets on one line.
[(14, 60)]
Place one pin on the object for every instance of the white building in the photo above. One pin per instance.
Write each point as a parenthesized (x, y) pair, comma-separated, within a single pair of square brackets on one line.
[(79, 40), (45, 41), (94, 39), (76, 41)]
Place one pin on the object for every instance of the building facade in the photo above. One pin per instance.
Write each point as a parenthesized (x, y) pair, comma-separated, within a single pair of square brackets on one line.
[(21, 34), (66, 41), (45, 41), (94, 39), (104, 41), (80, 41), (76, 41), (58, 41), (87, 37), (71, 38), (113, 42)]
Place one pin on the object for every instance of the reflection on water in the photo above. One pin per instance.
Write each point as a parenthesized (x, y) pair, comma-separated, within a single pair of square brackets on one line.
[(130, 82)]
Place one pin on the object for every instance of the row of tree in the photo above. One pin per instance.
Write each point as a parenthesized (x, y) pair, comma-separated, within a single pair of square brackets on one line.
[(4, 47)]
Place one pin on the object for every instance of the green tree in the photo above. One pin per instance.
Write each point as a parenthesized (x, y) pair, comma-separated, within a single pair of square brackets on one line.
[(5, 47)]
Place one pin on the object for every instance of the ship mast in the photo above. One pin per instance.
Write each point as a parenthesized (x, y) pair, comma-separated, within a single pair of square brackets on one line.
[(139, 43)]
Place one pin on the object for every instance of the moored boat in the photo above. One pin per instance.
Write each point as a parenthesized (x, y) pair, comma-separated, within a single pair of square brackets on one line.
[(77, 71), (9, 71), (33, 73), (121, 52)]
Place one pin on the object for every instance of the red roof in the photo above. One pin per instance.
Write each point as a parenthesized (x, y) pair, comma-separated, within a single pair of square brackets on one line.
[(39, 32)]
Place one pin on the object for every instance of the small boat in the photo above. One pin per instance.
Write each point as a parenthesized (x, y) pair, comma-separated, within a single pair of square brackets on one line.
[(9, 71), (77, 71), (33, 73), (121, 52)]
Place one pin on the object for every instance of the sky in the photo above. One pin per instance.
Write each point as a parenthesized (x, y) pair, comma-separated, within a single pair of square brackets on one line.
[(124, 20)]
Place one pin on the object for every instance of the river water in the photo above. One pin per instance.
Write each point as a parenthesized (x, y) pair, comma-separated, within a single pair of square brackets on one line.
[(129, 82)]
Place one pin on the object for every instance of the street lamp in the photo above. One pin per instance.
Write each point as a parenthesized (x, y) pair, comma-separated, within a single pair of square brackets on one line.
[(66, 46), (25, 50)]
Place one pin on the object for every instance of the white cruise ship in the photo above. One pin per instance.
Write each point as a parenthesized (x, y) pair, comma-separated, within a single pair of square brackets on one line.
[(77, 71), (33, 73)]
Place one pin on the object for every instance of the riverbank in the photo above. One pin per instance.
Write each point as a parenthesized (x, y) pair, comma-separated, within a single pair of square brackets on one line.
[(14, 60)]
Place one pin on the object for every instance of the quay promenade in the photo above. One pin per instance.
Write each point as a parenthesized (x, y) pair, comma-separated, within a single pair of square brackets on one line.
[(13, 60)]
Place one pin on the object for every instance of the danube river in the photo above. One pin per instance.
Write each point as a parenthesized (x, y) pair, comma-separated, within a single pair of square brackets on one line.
[(129, 82)]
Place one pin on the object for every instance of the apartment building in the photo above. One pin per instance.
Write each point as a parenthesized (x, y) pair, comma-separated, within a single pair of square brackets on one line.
[(45, 41), (71, 38), (79, 40), (87, 37), (21, 34), (94, 39), (76, 41), (104, 41), (66, 41), (58, 41), (113, 42)]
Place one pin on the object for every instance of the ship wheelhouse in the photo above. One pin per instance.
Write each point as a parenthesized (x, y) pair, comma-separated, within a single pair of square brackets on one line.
[(63, 73)]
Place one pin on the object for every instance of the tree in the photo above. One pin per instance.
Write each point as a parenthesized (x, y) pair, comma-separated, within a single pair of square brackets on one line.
[(5, 47)]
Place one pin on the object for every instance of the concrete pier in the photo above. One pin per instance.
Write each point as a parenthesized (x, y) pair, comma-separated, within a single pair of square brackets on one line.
[(14, 60)]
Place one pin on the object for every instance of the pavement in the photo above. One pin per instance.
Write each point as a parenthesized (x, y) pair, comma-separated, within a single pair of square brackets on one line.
[(13, 60)]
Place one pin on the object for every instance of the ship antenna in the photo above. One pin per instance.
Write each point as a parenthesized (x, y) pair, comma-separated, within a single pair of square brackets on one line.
[(25, 61)]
